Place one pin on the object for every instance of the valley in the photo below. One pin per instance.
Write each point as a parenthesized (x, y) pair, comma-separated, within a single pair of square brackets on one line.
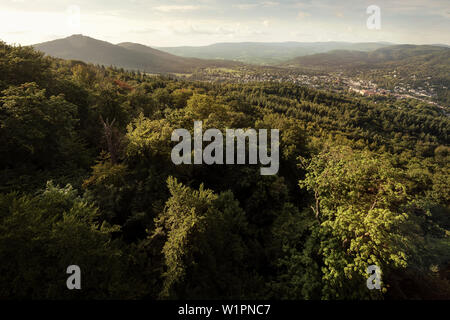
[(366, 69)]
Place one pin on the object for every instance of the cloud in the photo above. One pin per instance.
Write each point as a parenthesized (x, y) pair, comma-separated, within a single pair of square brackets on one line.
[(191, 29), (224, 30), (270, 4), (416, 7), (18, 32), (265, 4), (144, 30), (303, 14), (177, 8), (245, 6), (169, 22)]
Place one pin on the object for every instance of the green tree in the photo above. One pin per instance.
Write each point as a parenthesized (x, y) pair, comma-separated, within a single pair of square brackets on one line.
[(359, 202), (37, 129), (204, 252), (41, 236)]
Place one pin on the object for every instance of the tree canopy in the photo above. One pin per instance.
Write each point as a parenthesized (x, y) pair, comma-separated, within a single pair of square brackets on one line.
[(86, 178)]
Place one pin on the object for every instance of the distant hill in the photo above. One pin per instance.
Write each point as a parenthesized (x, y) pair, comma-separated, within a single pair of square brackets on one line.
[(267, 53), (393, 55), (186, 59), (126, 55), (335, 59)]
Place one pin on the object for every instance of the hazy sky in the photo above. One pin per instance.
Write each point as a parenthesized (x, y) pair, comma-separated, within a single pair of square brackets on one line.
[(189, 22)]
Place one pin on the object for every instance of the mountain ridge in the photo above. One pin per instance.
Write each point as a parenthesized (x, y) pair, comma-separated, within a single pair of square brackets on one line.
[(345, 58), (128, 55), (266, 52)]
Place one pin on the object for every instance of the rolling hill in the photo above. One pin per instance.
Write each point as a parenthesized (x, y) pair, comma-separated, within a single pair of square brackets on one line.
[(267, 52), (398, 55), (126, 55)]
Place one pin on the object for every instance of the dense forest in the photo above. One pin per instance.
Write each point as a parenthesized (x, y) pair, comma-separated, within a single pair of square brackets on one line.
[(86, 178)]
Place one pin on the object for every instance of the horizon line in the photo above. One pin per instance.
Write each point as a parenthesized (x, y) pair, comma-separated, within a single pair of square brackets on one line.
[(231, 42)]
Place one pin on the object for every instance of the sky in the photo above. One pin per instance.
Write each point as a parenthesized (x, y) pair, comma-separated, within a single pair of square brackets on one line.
[(202, 22)]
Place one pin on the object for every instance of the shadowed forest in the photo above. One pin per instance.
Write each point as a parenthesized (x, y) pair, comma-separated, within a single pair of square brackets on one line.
[(86, 178)]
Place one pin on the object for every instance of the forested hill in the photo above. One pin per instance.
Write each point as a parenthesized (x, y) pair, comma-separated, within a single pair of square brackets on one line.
[(127, 56), (392, 55), (267, 52), (86, 178)]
